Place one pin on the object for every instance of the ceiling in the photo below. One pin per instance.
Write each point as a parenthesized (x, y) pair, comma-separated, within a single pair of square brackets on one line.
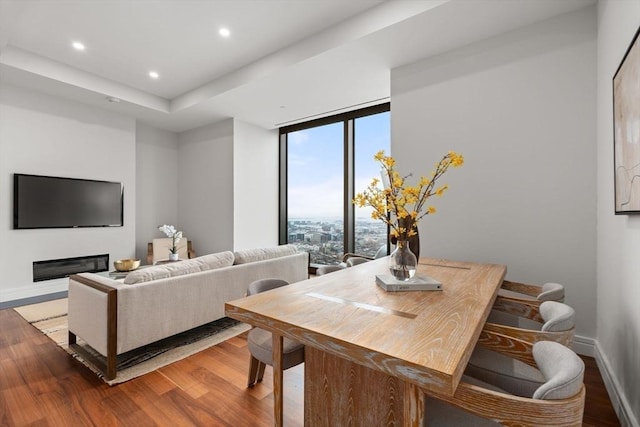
[(285, 60)]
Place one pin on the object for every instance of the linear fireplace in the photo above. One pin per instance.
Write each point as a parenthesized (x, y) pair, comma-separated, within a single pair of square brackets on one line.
[(64, 267)]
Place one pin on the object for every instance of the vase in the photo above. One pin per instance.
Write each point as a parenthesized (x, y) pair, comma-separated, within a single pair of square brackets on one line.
[(402, 262), (173, 257), (414, 241)]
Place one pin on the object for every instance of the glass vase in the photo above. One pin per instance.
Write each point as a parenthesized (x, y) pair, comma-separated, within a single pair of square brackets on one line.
[(402, 262)]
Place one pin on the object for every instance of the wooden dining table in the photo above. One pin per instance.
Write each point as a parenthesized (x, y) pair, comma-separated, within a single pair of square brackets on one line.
[(371, 355)]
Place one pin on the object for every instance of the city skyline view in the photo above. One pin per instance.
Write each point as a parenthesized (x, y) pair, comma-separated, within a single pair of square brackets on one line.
[(315, 192)]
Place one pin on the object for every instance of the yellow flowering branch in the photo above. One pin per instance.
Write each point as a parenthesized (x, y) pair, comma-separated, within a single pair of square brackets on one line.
[(405, 203)]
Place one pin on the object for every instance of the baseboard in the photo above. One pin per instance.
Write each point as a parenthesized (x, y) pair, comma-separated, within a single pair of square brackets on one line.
[(584, 346), (616, 394), (36, 290), (33, 300), (589, 347)]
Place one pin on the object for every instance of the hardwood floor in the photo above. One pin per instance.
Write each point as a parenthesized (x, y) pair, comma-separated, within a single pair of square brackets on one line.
[(41, 385)]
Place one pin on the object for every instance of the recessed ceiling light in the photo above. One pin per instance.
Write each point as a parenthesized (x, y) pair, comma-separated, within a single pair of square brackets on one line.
[(153, 74), (113, 99), (224, 32), (78, 46)]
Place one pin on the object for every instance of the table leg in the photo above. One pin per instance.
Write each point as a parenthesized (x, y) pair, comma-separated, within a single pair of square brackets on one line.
[(277, 379), (413, 405), (338, 392)]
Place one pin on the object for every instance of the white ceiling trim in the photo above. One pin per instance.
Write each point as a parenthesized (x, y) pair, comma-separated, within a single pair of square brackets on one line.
[(47, 68), (338, 68)]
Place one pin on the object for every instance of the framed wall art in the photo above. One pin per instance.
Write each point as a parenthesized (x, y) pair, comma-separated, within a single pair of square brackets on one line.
[(626, 131)]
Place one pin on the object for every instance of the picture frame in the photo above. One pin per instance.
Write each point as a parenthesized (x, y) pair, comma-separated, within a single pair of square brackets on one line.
[(626, 131)]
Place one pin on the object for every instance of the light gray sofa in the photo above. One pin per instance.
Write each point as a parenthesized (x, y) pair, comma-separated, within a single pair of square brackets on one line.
[(153, 303)]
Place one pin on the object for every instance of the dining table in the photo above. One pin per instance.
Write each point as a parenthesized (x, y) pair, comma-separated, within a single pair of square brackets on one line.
[(372, 355)]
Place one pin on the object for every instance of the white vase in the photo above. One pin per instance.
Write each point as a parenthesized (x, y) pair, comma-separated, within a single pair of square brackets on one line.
[(173, 257)]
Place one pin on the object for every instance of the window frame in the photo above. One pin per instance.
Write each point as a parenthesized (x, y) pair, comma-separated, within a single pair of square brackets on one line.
[(348, 120)]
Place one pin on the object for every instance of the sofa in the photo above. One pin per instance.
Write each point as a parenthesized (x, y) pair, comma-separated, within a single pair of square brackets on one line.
[(152, 303)]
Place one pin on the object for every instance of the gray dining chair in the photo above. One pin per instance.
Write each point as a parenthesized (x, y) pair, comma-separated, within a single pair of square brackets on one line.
[(538, 322), (515, 299), (499, 367), (326, 269), (557, 398), (549, 291), (351, 262), (260, 341), (350, 259)]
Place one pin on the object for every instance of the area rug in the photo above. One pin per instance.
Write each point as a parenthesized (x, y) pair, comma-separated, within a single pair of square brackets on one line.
[(50, 318)]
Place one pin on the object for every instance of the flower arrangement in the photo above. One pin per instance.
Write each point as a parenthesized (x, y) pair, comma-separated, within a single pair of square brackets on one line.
[(405, 203), (172, 233)]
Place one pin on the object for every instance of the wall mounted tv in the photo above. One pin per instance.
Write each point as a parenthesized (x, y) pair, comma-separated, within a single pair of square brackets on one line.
[(56, 202)]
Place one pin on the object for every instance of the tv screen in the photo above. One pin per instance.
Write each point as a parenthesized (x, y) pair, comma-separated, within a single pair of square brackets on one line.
[(56, 202)]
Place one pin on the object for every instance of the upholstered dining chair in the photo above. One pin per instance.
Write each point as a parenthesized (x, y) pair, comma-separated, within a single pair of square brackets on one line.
[(515, 298), (356, 261), (551, 320), (326, 269), (260, 341), (350, 259), (556, 399), (549, 291), (500, 368), (158, 250)]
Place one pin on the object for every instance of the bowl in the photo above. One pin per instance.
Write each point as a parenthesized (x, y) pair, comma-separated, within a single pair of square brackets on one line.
[(126, 264)]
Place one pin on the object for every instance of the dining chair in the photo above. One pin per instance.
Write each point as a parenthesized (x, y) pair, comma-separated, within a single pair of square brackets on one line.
[(551, 320), (549, 291), (514, 299), (260, 341), (356, 261), (350, 259), (556, 399), (500, 368), (326, 269)]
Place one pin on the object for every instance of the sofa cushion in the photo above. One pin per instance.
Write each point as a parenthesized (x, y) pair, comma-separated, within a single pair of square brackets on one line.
[(261, 254), (217, 260), (202, 263)]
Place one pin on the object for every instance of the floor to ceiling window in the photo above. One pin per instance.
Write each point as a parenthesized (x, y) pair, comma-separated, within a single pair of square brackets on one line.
[(371, 134), (323, 163)]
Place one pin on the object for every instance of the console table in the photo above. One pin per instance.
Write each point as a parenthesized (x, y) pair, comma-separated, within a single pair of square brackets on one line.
[(370, 354)]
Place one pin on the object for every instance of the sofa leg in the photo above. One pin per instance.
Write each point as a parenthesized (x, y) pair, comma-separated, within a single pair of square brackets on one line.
[(112, 361)]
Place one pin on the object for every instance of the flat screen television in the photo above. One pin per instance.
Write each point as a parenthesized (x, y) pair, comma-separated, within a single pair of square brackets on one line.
[(57, 202)]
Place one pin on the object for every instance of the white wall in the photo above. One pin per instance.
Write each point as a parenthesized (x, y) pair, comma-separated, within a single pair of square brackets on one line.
[(521, 108), (45, 135), (156, 183), (255, 181), (205, 186), (618, 236)]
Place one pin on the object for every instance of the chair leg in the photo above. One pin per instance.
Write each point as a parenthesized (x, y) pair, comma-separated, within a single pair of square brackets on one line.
[(261, 367), (254, 366)]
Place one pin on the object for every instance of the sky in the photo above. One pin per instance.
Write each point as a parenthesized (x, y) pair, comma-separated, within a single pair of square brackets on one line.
[(315, 169)]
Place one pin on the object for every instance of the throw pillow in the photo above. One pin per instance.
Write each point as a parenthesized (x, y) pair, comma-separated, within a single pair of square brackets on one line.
[(217, 260), (180, 268), (261, 254)]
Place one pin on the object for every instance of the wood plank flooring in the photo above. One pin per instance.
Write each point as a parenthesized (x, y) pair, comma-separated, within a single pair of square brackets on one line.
[(41, 385)]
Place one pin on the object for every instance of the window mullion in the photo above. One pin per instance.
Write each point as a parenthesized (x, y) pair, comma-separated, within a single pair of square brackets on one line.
[(349, 221), (283, 234)]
